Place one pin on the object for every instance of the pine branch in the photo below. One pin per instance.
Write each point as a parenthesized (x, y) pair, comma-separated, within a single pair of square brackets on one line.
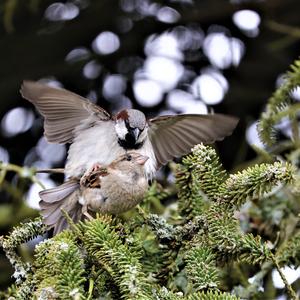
[(256, 181), (201, 268), (279, 101), (165, 294), (120, 260), (290, 252), (18, 236), (60, 268), (200, 177)]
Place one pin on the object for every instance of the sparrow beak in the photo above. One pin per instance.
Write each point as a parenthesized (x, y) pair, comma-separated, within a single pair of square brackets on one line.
[(142, 159), (136, 133)]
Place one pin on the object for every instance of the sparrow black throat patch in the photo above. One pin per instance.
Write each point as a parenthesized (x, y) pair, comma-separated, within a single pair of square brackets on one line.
[(129, 143)]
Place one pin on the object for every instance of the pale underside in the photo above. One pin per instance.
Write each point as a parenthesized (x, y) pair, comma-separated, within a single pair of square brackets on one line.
[(99, 144)]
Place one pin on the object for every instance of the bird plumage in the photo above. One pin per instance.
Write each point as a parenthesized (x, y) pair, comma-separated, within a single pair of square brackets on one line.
[(98, 137), (113, 189)]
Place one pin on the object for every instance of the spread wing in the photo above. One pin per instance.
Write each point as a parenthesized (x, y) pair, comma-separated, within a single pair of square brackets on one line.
[(62, 110), (174, 136)]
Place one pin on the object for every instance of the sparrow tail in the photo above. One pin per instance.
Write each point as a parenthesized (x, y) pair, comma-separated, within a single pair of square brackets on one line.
[(53, 201)]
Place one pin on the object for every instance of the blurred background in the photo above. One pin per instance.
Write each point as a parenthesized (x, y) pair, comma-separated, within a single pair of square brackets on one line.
[(163, 57)]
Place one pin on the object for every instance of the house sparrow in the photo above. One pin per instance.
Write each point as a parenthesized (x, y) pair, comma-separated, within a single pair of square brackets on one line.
[(98, 137), (113, 190)]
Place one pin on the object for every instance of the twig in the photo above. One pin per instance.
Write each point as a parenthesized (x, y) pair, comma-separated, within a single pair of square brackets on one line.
[(55, 171), (289, 288), (283, 28)]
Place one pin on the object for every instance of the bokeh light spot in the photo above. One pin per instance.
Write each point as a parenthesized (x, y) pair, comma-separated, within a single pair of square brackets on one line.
[(106, 43), (32, 197), (16, 121), (147, 92), (91, 70), (165, 45), (165, 71), (114, 85), (184, 102), (168, 14), (61, 11), (210, 86), (223, 51), (51, 153), (4, 155), (78, 54), (252, 136), (248, 21)]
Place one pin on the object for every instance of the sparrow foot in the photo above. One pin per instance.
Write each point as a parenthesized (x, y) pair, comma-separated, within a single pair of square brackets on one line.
[(86, 214), (85, 179)]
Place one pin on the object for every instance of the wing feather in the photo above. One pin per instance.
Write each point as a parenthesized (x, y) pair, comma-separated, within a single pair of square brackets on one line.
[(174, 136), (62, 110)]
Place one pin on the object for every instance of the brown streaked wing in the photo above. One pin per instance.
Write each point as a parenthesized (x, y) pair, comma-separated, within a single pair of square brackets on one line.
[(175, 135), (63, 110), (93, 180)]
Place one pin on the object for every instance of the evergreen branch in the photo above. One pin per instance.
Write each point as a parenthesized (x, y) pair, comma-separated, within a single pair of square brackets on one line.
[(60, 268), (204, 163), (255, 181), (212, 295), (18, 236), (227, 240), (154, 196), (289, 288), (278, 102), (201, 268), (200, 176), (165, 294), (172, 235), (252, 250), (290, 252), (103, 243)]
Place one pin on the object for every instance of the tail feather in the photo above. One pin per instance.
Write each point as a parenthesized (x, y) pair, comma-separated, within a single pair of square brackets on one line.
[(60, 192), (53, 201)]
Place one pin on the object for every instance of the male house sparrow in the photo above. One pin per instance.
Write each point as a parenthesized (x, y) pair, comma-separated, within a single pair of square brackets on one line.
[(98, 137), (113, 189)]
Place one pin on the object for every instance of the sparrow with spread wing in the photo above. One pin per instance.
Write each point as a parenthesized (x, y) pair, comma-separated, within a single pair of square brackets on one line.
[(98, 137), (113, 189)]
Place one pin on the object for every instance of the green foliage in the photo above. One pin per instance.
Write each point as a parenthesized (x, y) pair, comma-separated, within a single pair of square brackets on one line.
[(60, 268), (227, 228), (201, 268), (279, 106)]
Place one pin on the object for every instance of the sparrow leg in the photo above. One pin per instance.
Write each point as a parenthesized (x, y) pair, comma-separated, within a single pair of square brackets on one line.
[(85, 177), (85, 212)]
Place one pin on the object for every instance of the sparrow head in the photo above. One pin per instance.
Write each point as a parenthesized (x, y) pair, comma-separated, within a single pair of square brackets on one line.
[(130, 128), (131, 161)]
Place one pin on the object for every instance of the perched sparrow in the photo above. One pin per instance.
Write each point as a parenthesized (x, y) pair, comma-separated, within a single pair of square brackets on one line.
[(113, 189), (98, 137)]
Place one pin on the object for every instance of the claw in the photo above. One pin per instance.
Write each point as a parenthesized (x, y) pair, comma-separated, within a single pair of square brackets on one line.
[(86, 214), (96, 167), (86, 176)]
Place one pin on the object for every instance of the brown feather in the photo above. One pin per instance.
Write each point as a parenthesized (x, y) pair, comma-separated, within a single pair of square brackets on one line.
[(175, 135), (63, 110), (54, 200), (93, 179)]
